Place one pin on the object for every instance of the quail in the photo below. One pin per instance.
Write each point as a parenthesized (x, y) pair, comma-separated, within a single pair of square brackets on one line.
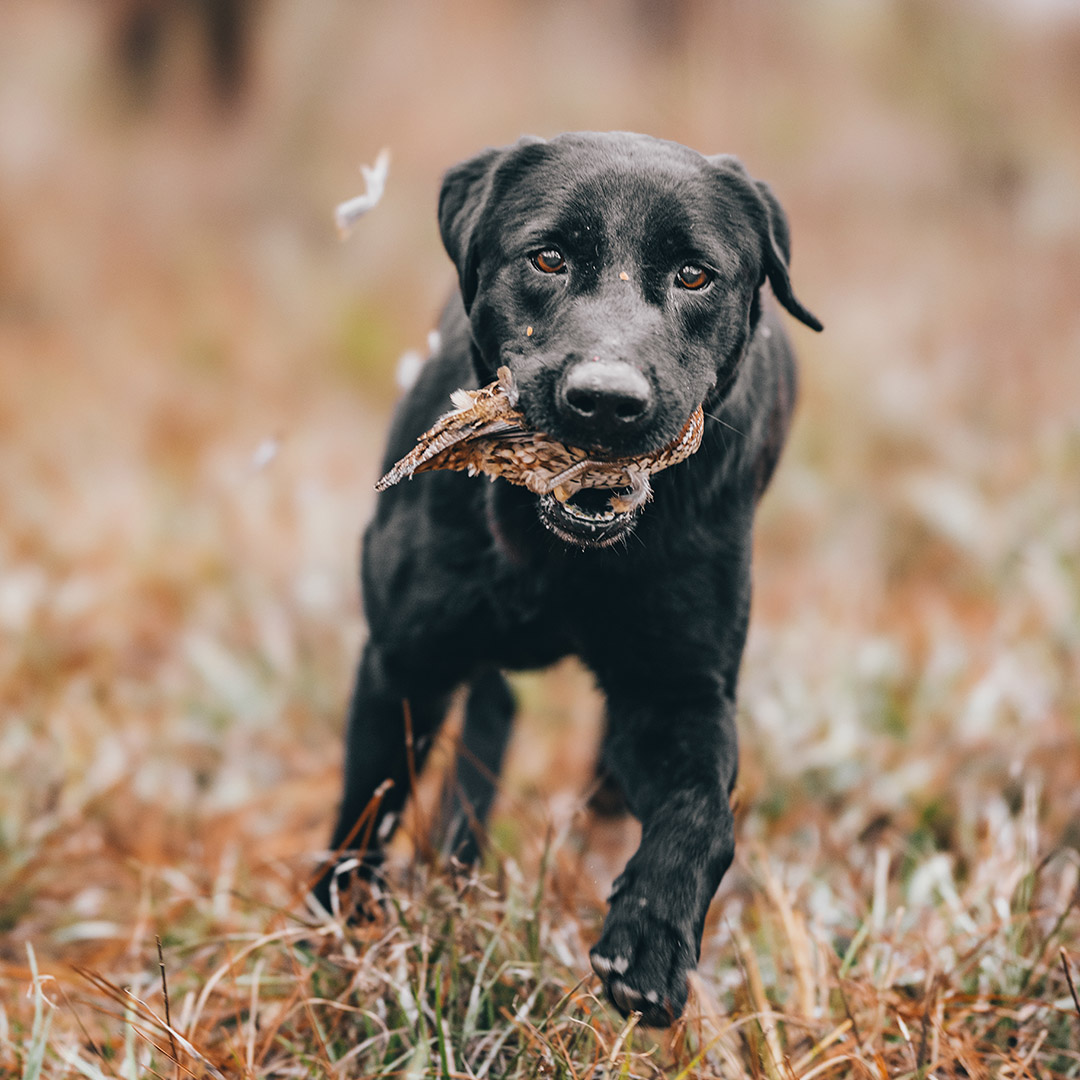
[(487, 433)]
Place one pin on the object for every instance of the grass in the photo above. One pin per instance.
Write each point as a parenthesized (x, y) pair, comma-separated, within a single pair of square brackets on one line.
[(468, 975), (194, 393)]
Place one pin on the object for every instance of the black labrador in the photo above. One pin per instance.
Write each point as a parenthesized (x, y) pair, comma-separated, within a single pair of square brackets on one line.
[(619, 277)]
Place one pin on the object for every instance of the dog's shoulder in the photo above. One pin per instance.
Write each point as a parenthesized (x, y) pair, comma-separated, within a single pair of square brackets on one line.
[(768, 407)]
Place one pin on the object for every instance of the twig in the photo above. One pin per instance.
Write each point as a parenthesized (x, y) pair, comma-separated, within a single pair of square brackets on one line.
[(1036, 1046), (422, 837), (165, 996), (1069, 979), (631, 1022), (143, 1013), (86, 1034), (847, 1007), (366, 820), (931, 995)]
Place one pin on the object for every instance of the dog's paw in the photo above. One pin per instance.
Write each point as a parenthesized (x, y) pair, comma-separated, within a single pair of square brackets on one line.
[(643, 961), (350, 890)]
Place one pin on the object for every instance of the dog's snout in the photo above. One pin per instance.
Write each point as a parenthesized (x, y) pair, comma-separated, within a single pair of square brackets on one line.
[(609, 395)]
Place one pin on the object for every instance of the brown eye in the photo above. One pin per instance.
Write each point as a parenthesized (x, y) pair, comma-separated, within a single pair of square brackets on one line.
[(693, 277), (550, 260)]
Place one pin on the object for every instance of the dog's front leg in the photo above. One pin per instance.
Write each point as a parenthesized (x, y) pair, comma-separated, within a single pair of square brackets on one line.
[(388, 736), (489, 713), (676, 762)]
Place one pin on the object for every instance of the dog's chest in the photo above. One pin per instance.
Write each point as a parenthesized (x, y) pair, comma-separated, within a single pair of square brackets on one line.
[(529, 622)]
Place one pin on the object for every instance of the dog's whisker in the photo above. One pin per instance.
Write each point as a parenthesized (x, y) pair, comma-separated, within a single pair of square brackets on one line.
[(720, 420)]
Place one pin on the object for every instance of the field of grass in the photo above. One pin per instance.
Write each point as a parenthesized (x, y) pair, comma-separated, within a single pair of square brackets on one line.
[(195, 377)]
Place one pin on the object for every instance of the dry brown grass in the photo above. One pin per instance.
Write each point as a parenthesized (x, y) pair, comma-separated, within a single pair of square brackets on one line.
[(195, 377)]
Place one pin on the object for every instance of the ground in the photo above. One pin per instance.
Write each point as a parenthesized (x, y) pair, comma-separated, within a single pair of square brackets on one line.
[(197, 375)]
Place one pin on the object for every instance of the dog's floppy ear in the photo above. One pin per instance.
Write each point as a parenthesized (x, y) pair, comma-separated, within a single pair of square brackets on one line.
[(777, 242), (466, 189), (774, 233)]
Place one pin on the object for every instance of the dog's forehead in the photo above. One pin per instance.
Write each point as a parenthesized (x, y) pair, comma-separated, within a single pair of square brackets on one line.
[(639, 194)]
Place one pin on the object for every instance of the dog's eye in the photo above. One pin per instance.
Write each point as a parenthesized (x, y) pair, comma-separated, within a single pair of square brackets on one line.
[(550, 260), (693, 277)]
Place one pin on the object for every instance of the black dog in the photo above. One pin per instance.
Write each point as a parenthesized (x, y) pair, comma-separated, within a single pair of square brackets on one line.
[(620, 279)]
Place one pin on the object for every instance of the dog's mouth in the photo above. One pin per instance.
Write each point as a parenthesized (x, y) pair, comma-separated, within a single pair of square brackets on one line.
[(591, 517)]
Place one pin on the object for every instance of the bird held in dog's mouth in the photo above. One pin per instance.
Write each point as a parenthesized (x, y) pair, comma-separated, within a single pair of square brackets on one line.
[(487, 433)]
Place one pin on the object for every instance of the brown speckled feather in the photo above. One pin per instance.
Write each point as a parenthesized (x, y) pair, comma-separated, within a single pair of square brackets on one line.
[(486, 433)]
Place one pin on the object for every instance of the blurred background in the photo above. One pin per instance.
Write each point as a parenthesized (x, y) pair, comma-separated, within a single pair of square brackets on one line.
[(196, 375)]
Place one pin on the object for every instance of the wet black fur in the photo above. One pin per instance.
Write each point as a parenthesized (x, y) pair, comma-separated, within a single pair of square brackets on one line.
[(461, 580)]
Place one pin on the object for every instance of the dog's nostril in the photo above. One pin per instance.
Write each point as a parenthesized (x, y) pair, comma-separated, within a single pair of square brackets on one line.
[(630, 408), (581, 401)]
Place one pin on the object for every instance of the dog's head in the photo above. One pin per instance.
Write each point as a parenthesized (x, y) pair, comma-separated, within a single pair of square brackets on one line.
[(618, 277)]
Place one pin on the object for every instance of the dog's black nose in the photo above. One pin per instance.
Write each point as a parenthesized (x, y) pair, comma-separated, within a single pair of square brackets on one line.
[(610, 395)]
